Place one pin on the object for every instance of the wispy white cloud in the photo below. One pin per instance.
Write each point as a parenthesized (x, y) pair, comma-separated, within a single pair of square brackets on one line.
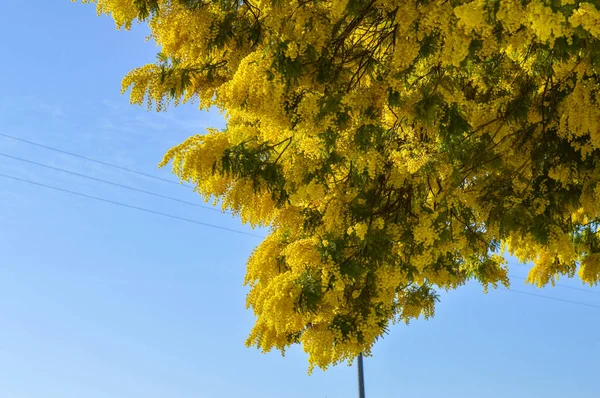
[(54, 110), (108, 131), (111, 104), (34, 104), (11, 198)]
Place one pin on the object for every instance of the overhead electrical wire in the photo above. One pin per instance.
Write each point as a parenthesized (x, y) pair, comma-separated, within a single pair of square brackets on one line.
[(76, 155), (235, 230), (561, 285), (189, 220), (73, 154), (554, 298), (107, 182)]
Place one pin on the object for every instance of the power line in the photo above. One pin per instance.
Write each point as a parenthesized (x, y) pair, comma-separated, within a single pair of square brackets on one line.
[(560, 285), (554, 298), (129, 206), (12, 137), (107, 182), (195, 204)]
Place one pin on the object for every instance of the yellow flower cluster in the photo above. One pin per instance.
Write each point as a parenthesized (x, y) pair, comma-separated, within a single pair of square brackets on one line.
[(394, 147), (587, 15)]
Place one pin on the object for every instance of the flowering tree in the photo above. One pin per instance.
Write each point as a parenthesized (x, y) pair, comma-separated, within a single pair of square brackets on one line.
[(394, 148)]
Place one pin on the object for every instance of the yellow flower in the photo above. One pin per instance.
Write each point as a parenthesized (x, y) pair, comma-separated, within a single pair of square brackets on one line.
[(438, 128)]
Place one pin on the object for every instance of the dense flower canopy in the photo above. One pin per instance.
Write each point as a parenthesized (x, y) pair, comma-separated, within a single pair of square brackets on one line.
[(394, 148)]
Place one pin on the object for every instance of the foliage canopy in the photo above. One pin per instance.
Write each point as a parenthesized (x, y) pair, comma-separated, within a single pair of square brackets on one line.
[(394, 147)]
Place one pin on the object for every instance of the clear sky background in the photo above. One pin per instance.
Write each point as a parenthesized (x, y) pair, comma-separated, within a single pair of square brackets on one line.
[(101, 301)]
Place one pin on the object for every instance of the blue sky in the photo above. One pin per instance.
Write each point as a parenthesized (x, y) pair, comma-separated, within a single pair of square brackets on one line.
[(101, 301)]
